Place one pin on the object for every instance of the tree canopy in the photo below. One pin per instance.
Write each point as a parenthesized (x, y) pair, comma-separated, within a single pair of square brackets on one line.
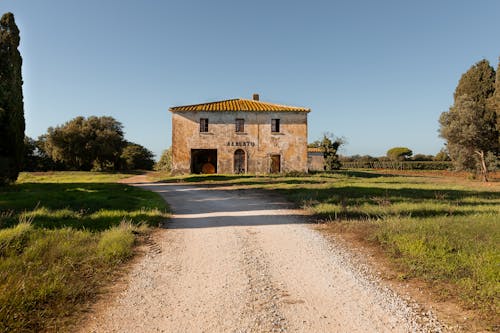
[(399, 153), (12, 122), (135, 156), (329, 146), (87, 143), (165, 162), (470, 126)]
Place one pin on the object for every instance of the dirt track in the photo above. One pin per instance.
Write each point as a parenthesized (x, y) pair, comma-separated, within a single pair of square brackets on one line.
[(245, 261)]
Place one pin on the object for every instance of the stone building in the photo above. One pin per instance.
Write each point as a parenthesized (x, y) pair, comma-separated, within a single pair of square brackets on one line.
[(239, 136)]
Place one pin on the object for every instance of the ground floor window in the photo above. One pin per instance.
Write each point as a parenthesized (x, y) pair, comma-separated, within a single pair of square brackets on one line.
[(204, 161)]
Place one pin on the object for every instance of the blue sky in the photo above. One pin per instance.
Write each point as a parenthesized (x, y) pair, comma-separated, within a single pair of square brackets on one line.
[(378, 73)]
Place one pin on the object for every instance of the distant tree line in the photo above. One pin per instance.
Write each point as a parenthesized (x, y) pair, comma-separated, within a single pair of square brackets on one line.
[(402, 156), (471, 127), (93, 143), (399, 158)]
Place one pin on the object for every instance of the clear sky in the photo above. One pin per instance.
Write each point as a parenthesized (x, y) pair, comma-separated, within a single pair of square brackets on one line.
[(378, 73)]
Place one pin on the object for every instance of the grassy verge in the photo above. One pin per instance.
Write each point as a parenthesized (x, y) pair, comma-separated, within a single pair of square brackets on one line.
[(441, 229), (62, 235)]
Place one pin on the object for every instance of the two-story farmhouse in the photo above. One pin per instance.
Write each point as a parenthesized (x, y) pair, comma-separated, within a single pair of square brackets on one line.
[(239, 136)]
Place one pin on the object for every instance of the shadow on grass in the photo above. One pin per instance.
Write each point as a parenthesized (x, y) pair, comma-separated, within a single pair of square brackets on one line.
[(363, 174), (334, 194), (278, 178), (88, 206), (355, 203), (354, 214)]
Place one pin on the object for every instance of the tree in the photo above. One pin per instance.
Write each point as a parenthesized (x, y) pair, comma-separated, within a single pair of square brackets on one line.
[(29, 161), (329, 146), (35, 157), (470, 136), (165, 162), (399, 153), (442, 156), (470, 126), (85, 144), (135, 156), (12, 122)]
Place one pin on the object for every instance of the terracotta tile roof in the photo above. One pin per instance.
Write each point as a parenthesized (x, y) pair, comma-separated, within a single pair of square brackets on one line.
[(314, 150), (237, 105)]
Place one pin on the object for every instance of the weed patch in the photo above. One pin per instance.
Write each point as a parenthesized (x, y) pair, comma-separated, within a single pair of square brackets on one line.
[(61, 241)]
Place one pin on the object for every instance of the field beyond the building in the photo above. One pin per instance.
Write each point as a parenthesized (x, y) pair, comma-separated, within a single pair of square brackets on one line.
[(435, 226), (63, 235)]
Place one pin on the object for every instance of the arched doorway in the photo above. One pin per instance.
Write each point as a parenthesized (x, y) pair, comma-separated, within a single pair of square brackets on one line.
[(239, 161)]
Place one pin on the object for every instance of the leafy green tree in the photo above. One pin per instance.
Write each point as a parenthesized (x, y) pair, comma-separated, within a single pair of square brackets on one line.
[(471, 137), (12, 122), (330, 146), (137, 157), (36, 159), (470, 126), (399, 153), (85, 144), (165, 162), (29, 161), (442, 156)]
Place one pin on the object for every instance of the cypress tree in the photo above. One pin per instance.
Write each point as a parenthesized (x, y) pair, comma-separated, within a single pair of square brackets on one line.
[(11, 101)]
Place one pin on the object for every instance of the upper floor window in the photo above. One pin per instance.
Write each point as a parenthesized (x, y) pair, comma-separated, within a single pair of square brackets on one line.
[(203, 124), (240, 125), (275, 125)]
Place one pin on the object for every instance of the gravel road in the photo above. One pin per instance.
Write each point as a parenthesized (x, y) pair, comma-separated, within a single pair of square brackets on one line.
[(246, 261)]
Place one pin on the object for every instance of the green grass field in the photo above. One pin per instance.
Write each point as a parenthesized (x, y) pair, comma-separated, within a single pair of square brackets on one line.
[(442, 229), (62, 237)]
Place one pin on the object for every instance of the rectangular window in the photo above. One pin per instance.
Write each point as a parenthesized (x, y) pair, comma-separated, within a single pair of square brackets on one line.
[(203, 124), (275, 125), (240, 125)]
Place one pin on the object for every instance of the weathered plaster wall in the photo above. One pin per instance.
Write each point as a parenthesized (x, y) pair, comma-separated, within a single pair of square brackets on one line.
[(257, 140), (315, 161)]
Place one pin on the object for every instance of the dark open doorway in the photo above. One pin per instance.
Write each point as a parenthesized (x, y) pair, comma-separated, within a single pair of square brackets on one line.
[(204, 161)]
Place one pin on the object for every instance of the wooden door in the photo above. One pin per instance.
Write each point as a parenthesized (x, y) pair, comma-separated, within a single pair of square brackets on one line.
[(275, 163)]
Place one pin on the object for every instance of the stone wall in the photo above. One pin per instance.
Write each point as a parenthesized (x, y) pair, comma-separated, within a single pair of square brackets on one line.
[(257, 140)]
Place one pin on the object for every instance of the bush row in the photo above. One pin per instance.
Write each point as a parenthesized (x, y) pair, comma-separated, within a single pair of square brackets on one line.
[(399, 165)]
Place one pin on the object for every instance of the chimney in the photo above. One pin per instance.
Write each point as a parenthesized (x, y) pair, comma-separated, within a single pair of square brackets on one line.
[(255, 97)]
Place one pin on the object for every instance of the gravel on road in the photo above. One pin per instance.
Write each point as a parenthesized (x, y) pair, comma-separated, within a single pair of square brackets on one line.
[(247, 261)]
